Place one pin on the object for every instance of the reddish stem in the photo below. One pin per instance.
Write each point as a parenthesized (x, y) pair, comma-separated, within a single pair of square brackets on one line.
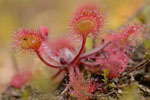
[(78, 73), (56, 74), (42, 59), (59, 72), (80, 51), (85, 55)]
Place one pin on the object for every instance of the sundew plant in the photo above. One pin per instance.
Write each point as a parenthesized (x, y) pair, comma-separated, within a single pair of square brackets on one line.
[(108, 58)]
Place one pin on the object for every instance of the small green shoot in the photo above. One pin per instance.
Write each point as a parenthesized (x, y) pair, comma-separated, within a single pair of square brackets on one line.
[(105, 74)]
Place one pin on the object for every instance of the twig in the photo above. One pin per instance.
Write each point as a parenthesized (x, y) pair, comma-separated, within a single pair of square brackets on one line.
[(137, 67), (62, 93), (101, 95)]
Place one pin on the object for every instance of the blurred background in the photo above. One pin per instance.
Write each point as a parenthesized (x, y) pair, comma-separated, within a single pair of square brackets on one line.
[(55, 15)]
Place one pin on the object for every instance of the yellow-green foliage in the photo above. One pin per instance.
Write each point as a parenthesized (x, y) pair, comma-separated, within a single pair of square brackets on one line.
[(89, 44), (41, 80), (131, 92), (147, 46)]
